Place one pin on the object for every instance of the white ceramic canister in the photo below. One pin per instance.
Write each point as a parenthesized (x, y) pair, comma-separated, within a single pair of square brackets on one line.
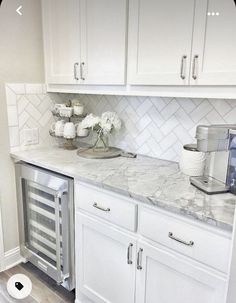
[(82, 132), (69, 130), (78, 108), (192, 162), (58, 128)]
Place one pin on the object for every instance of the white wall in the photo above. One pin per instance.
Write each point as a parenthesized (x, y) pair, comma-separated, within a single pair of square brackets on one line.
[(21, 60)]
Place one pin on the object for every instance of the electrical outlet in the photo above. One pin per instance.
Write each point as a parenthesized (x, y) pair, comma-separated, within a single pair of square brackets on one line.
[(31, 136)]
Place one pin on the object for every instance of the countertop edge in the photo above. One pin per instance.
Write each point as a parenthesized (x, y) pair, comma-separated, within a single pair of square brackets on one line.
[(146, 200)]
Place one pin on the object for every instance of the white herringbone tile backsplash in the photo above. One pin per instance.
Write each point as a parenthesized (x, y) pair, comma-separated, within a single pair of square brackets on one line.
[(159, 127), (28, 107), (153, 126)]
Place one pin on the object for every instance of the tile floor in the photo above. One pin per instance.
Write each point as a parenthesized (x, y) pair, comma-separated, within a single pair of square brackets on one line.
[(45, 290)]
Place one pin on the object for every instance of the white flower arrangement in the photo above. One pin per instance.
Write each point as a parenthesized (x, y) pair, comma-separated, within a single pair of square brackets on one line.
[(90, 121), (105, 124)]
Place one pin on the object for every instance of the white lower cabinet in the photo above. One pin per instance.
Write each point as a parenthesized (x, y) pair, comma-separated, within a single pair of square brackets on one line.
[(105, 262), (166, 278), (115, 265)]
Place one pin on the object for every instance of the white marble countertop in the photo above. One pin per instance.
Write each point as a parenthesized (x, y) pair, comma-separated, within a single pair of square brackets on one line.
[(149, 180)]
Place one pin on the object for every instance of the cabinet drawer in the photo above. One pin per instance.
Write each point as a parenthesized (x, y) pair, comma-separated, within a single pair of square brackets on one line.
[(198, 242), (106, 205)]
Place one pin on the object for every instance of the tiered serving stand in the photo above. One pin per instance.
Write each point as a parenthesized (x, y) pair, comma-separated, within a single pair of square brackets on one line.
[(66, 143), (86, 151)]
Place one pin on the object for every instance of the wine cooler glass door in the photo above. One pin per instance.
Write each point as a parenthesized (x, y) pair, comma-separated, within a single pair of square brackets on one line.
[(46, 226)]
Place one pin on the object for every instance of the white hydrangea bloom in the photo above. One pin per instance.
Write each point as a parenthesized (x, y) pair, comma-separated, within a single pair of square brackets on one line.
[(105, 124), (90, 121), (110, 120)]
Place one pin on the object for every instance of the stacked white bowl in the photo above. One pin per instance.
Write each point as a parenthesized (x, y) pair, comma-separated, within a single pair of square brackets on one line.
[(192, 162)]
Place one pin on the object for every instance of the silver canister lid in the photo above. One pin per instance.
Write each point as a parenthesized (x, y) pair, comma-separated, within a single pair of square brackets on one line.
[(191, 147)]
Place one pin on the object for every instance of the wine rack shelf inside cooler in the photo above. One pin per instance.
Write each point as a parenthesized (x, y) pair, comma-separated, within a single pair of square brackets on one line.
[(41, 212)]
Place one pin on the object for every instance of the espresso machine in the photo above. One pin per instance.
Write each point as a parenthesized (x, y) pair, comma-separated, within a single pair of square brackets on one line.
[(219, 144)]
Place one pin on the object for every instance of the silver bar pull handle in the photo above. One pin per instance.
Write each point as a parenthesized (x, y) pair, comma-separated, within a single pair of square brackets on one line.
[(129, 254), (195, 61), (75, 71), (183, 67), (139, 259), (101, 208), (82, 71), (171, 236)]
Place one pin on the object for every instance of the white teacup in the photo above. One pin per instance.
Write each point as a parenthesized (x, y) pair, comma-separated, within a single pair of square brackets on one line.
[(57, 107), (70, 130), (58, 128), (66, 112), (82, 132)]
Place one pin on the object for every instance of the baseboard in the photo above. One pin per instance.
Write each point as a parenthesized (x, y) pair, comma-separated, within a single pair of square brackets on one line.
[(82, 301), (80, 298), (12, 258)]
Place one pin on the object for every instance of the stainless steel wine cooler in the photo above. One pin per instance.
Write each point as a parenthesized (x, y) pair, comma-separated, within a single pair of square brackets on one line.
[(46, 221)]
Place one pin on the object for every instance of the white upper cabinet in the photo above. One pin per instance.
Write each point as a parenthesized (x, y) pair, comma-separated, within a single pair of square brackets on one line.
[(61, 40), (160, 38), (103, 41), (214, 43), (169, 42), (85, 41)]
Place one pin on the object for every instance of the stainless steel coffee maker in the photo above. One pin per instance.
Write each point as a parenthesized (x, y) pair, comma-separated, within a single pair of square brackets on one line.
[(231, 172), (219, 144)]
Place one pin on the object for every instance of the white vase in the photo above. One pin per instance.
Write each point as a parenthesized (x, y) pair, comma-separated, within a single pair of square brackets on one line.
[(101, 144)]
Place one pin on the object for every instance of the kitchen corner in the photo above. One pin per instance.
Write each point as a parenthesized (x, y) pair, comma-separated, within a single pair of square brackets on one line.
[(118, 151)]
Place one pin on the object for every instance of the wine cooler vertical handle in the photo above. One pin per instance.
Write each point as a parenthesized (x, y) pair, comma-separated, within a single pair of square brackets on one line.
[(65, 234), (57, 197)]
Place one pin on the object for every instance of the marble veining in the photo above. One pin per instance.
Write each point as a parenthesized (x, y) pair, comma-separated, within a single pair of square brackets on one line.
[(148, 180)]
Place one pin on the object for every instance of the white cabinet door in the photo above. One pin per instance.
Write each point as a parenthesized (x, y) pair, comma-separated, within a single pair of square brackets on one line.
[(214, 43), (103, 41), (165, 278), (160, 37), (102, 254), (61, 40)]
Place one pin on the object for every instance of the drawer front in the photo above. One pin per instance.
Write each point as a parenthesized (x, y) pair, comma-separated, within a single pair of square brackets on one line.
[(199, 243), (106, 205)]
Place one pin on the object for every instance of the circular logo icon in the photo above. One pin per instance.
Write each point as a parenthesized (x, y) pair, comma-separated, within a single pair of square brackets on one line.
[(19, 286)]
